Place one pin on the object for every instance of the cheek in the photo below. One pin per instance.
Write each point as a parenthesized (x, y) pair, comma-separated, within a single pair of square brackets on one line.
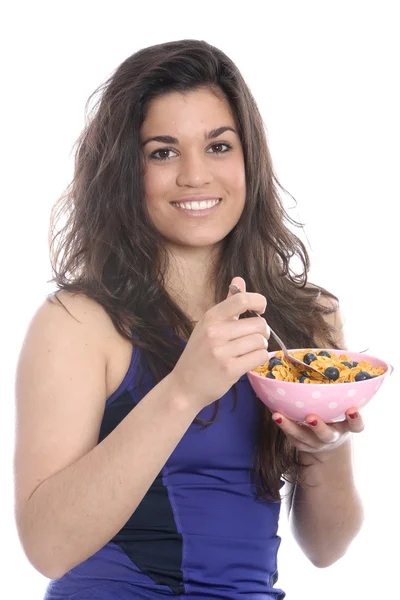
[(235, 178), (156, 182)]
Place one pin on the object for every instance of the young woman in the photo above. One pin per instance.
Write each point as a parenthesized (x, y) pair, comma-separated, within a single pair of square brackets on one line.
[(145, 466)]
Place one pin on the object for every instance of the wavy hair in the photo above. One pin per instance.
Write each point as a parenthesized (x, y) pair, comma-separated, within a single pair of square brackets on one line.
[(109, 250)]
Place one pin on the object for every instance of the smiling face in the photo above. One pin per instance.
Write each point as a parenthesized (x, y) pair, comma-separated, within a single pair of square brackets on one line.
[(194, 177)]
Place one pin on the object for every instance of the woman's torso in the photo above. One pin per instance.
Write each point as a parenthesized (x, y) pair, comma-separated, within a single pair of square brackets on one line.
[(199, 532)]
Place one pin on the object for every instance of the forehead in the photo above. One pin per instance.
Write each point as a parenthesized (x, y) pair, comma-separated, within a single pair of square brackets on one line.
[(187, 113)]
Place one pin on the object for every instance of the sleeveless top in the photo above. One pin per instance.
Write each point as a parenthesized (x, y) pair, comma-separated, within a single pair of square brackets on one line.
[(199, 532)]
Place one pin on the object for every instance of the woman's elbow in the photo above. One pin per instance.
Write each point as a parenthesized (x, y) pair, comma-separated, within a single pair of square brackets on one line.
[(43, 563), (43, 555)]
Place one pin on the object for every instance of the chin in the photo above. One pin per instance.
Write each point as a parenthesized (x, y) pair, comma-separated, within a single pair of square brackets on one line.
[(201, 241)]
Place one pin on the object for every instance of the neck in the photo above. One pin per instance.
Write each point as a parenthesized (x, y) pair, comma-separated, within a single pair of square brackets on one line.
[(189, 279)]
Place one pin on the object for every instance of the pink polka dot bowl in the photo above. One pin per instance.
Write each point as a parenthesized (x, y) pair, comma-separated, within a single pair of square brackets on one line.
[(329, 401)]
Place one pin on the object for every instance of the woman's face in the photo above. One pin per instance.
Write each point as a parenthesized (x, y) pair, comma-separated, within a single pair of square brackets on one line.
[(197, 161)]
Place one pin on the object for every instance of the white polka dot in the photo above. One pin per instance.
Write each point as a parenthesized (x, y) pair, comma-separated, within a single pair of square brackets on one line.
[(271, 399), (332, 404), (281, 392), (362, 401), (316, 394), (299, 404), (352, 392)]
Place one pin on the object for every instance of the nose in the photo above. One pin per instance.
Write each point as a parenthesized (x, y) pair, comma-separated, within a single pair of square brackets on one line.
[(194, 171)]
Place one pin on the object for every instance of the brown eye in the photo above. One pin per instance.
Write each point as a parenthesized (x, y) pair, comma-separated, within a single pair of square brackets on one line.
[(163, 154), (219, 148)]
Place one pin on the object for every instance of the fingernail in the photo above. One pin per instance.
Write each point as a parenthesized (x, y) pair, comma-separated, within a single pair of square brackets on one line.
[(353, 415), (278, 420), (313, 423)]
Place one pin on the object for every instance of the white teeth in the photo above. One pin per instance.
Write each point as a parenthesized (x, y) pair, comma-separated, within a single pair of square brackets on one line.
[(202, 205)]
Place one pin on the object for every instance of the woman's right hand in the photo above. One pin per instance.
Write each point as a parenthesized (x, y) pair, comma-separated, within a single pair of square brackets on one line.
[(222, 348)]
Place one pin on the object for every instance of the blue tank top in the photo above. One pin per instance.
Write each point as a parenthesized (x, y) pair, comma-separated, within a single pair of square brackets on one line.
[(199, 532)]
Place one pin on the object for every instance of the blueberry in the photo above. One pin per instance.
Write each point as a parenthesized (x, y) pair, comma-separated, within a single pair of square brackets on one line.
[(324, 353), (270, 375), (348, 364), (332, 373), (362, 375), (355, 363), (304, 373), (274, 362), (302, 378), (309, 357)]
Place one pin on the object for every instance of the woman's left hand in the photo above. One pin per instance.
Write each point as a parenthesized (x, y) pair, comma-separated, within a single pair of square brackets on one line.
[(314, 436)]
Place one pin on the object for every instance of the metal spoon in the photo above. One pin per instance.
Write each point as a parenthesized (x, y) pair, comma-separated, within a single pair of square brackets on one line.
[(295, 361)]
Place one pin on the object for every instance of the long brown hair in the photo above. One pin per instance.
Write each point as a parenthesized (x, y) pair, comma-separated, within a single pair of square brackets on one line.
[(109, 249)]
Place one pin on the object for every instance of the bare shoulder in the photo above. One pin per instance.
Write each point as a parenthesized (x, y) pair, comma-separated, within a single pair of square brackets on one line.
[(77, 310), (63, 327), (78, 314), (116, 349)]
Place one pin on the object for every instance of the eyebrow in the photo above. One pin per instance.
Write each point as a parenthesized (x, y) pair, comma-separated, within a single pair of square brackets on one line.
[(167, 139)]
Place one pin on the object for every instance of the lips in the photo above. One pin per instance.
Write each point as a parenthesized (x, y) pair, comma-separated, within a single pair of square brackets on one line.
[(197, 206), (195, 199)]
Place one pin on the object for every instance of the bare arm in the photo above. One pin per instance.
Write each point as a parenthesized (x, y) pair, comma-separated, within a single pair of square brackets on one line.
[(72, 495), (327, 512), (326, 517)]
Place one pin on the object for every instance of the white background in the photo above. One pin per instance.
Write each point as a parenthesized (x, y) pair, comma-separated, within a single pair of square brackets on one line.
[(325, 76)]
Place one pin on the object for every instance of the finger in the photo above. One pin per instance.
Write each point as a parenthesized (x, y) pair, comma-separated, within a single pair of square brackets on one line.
[(246, 344), (228, 331), (296, 431), (235, 289), (328, 434), (238, 304), (355, 421), (240, 282), (251, 360)]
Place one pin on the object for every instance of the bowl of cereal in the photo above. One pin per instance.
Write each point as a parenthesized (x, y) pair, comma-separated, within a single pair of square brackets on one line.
[(353, 378)]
